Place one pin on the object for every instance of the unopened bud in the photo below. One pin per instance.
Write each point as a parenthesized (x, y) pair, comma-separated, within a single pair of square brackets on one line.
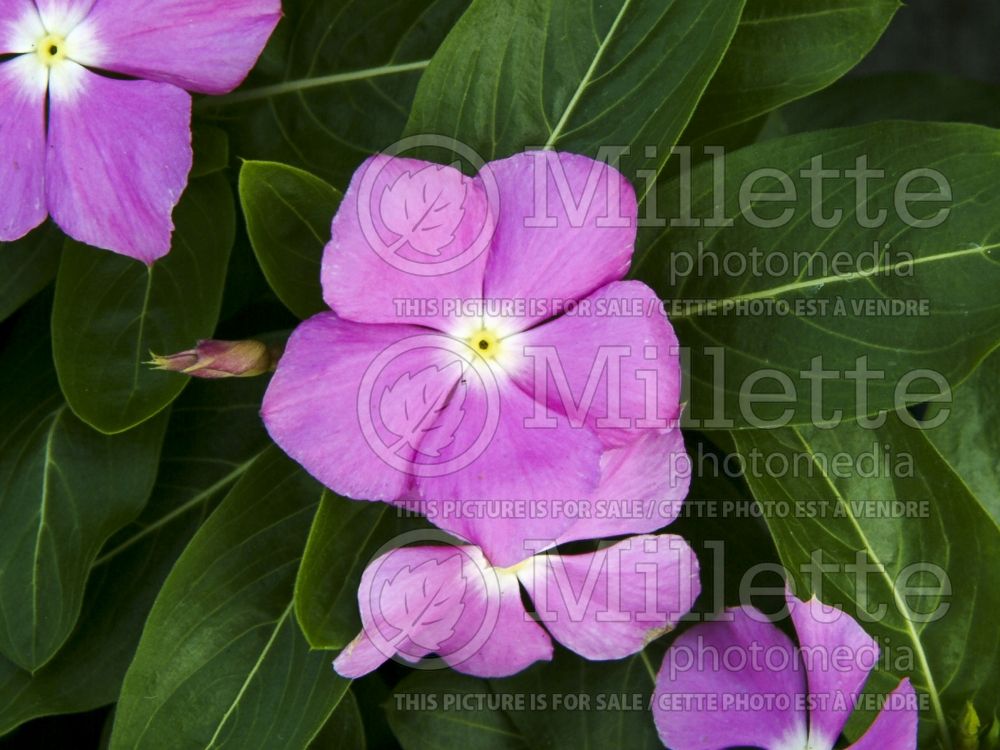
[(221, 359)]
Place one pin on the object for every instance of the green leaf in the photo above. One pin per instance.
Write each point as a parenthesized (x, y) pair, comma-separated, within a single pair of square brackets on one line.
[(574, 76), (344, 538), (221, 662), (27, 266), (288, 213), (969, 438), (421, 719), (344, 728), (784, 50), (211, 150), (335, 83), (111, 311), (612, 709), (831, 277), (890, 96), (64, 489), (214, 434), (937, 534)]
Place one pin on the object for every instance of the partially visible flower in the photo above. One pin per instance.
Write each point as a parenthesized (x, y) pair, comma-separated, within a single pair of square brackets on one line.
[(108, 157), (743, 682), (222, 359), (448, 600)]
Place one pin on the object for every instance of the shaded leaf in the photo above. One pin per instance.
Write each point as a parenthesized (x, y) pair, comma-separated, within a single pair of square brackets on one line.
[(831, 279), (213, 435), (239, 675), (587, 704), (211, 150), (784, 50), (335, 83), (27, 266), (890, 96), (64, 489), (575, 76), (112, 311), (344, 538), (843, 512), (344, 729), (288, 213), (421, 719), (969, 438)]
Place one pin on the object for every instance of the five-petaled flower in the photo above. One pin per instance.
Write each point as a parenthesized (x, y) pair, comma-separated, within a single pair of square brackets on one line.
[(448, 600), (742, 682), (108, 156), (447, 378)]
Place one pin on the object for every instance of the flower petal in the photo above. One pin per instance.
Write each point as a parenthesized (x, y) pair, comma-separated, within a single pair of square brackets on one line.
[(566, 226), (705, 690), (20, 26), (500, 484), (208, 47), (23, 82), (614, 364), (515, 641), (446, 600), (408, 242), (350, 401), (62, 16), (838, 655), (895, 727), (642, 487), (118, 160), (609, 604)]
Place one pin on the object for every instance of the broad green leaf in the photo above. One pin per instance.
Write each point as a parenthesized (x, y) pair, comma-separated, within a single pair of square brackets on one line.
[(442, 709), (64, 489), (344, 729), (587, 704), (969, 437), (889, 96), (27, 266), (836, 282), (344, 538), (574, 76), (111, 311), (784, 50), (911, 522), (288, 213), (213, 435), (222, 662), (335, 83)]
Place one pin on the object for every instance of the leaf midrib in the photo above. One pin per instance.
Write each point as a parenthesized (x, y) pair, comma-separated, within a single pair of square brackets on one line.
[(42, 512), (588, 76), (278, 624), (918, 646), (712, 305)]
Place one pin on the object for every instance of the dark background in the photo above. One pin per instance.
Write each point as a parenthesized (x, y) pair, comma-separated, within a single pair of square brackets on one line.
[(960, 37)]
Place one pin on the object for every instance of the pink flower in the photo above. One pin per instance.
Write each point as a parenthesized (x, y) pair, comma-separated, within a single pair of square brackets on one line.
[(108, 158), (451, 377), (604, 605), (743, 682)]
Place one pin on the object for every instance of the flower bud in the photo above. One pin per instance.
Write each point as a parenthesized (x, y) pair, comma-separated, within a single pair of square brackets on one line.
[(221, 359)]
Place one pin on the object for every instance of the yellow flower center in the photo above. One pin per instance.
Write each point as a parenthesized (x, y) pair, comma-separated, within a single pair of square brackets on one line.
[(485, 343), (51, 49)]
